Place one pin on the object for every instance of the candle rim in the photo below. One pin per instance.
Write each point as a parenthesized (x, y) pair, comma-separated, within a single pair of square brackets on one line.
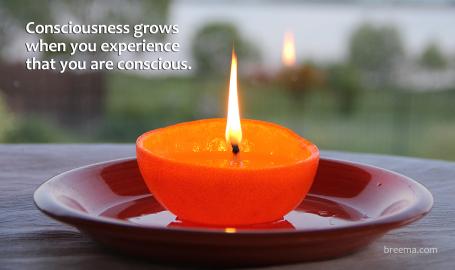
[(305, 143)]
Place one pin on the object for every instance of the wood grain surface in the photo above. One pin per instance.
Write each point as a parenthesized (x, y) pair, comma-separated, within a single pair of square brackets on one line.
[(30, 240)]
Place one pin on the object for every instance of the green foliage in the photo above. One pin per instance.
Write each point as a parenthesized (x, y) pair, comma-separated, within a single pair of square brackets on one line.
[(299, 81), (212, 48), (5, 119), (137, 104), (29, 130), (433, 58), (376, 50), (345, 82)]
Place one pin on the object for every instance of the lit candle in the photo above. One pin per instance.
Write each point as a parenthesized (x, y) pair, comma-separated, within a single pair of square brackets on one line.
[(227, 172), (288, 55)]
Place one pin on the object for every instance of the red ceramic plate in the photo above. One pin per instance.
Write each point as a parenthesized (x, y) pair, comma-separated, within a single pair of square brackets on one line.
[(348, 207)]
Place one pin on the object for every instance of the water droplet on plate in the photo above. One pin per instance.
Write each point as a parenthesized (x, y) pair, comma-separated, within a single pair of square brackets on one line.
[(324, 213)]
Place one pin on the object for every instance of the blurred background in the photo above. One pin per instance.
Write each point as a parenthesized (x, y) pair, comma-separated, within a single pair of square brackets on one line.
[(365, 76)]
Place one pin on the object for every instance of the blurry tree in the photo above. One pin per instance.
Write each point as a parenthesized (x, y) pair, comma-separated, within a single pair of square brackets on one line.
[(376, 51), (344, 81), (300, 80), (433, 58), (212, 47), (5, 119)]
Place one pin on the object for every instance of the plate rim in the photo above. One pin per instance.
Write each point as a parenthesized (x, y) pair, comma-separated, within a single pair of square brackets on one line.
[(47, 204)]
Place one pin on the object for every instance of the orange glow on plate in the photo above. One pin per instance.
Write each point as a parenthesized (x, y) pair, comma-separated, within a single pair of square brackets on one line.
[(230, 230), (288, 54), (233, 126)]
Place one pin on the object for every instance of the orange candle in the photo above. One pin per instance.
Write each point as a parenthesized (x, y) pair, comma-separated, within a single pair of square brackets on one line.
[(227, 171)]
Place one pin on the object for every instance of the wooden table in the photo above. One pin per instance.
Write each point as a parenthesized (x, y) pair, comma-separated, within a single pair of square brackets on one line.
[(30, 240)]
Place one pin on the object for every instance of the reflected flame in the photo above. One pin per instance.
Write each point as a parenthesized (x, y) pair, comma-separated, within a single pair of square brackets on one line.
[(230, 230), (233, 126), (288, 54)]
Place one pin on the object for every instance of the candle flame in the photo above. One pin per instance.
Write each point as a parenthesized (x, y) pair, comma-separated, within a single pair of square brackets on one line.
[(288, 54), (233, 126)]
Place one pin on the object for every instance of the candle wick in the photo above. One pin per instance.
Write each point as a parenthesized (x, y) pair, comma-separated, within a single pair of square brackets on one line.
[(235, 149)]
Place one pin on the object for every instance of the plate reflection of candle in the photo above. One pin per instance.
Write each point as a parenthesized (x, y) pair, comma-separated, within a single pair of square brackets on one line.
[(227, 172), (276, 225)]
